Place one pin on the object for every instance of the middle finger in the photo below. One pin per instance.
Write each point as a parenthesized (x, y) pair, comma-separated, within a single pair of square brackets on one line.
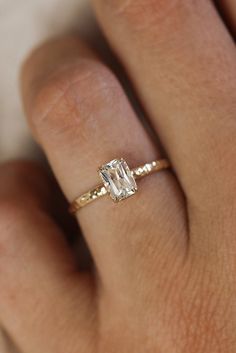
[(182, 61)]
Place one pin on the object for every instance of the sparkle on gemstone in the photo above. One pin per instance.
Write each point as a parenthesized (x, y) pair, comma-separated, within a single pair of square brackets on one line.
[(118, 179)]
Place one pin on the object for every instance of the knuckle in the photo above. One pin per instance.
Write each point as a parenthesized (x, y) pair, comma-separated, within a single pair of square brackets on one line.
[(72, 98), (203, 312)]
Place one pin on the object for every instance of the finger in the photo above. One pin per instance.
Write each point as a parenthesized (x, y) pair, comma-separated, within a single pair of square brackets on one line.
[(82, 118), (228, 10), (181, 59), (43, 303), (186, 80)]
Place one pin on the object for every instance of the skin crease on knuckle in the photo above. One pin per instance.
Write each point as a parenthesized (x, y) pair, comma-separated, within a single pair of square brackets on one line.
[(67, 101), (189, 320)]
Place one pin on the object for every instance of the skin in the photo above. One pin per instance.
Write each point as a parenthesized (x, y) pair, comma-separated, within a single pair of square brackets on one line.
[(164, 278)]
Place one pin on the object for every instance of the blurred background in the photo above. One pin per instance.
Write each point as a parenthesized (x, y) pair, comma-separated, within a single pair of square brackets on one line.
[(24, 24)]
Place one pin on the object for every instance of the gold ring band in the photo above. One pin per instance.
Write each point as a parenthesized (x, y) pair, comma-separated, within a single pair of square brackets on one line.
[(118, 181)]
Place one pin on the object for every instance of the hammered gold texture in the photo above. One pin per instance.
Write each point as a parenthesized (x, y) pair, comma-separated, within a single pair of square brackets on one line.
[(87, 197)]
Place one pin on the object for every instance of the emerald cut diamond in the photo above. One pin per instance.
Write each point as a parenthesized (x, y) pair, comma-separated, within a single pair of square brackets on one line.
[(118, 179)]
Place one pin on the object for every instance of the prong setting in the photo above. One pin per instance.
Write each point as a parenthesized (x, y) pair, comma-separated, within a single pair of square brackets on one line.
[(118, 179)]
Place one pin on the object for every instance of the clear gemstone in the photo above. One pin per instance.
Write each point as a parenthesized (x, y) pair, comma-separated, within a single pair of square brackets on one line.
[(118, 179)]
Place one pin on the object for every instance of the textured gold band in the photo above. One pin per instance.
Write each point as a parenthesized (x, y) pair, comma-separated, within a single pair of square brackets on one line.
[(100, 189)]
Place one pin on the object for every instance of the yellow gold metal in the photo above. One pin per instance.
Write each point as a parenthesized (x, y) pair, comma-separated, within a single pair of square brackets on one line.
[(100, 189)]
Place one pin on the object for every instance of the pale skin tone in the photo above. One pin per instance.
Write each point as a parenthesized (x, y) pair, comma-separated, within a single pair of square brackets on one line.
[(165, 259)]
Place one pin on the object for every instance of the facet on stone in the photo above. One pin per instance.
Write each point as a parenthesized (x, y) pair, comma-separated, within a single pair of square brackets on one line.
[(118, 179)]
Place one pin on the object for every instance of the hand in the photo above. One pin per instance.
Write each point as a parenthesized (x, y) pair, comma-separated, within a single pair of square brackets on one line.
[(165, 259)]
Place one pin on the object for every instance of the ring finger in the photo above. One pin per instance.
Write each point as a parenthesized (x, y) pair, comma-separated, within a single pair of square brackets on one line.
[(82, 118)]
